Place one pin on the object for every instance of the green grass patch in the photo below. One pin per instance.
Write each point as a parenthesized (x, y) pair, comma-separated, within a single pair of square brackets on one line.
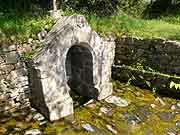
[(19, 29), (123, 24)]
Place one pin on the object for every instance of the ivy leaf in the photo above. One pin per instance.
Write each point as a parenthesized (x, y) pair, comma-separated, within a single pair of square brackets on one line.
[(176, 86), (172, 84)]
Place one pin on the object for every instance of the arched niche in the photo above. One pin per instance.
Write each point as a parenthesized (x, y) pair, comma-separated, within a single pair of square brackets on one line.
[(72, 56)]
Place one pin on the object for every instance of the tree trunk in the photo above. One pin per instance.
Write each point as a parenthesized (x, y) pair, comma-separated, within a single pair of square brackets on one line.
[(54, 5)]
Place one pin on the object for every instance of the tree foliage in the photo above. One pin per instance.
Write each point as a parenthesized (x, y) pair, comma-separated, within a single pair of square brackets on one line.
[(96, 7), (162, 7), (106, 7)]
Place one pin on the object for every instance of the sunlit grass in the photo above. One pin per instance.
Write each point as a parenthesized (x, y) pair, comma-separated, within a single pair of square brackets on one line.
[(123, 24), (19, 29)]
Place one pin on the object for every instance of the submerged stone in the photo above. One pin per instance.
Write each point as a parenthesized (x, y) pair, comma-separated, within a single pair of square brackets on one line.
[(109, 127), (166, 116), (159, 102), (171, 131), (105, 110), (118, 101), (178, 124), (88, 127), (176, 107), (132, 119), (33, 132), (143, 112)]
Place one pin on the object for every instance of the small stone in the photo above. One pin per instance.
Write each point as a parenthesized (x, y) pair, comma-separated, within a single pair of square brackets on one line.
[(42, 35), (1, 60), (69, 119), (12, 58), (38, 117), (117, 101), (88, 127), (105, 110), (173, 107), (109, 127), (166, 116), (153, 105), (171, 131), (139, 94), (30, 40), (134, 120), (26, 48), (89, 102), (12, 48), (158, 100), (43, 123), (6, 68), (29, 118), (33, 132), (178, 124), (33, 110)]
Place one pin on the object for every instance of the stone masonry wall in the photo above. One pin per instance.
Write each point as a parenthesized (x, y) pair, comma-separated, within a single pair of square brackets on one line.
[(153, 55), (148, 63), (14, 89)]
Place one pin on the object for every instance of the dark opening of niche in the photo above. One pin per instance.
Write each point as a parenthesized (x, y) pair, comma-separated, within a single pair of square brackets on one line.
[(79, 71)]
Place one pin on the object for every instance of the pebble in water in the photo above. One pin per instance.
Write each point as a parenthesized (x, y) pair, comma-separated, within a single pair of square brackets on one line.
[(178, 124), (159, 102), (132, 119), (109, 127), (166, 116), (118, 101), (88, 127), (171, 131), (105, 110), (33, 132)]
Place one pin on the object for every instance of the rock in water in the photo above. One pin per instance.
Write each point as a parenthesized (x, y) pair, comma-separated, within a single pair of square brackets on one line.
[(88, 127), (33, 132), (166, 116), (109, 127), (171, 131), (178, 124), (105, 110), (117, 101)]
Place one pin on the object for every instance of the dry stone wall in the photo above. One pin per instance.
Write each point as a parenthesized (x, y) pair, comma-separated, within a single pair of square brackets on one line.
[(153, 55), (14, 90), (148, 63)]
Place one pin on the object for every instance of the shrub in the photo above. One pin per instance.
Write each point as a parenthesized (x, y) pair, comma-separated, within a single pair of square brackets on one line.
[(105, 7), (132, 7), (97, 7)]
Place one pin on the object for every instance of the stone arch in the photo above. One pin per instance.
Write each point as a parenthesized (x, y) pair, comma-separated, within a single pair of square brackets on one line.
[(50, 64), (79, 70)]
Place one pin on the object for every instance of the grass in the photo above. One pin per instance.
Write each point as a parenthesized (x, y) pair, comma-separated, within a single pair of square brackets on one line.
[(19, 29), (165, 27)]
